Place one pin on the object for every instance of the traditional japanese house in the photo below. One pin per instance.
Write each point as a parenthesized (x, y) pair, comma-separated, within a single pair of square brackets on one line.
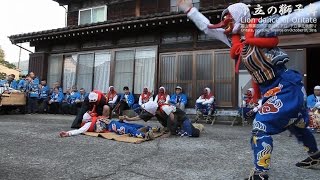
[(139, 43)]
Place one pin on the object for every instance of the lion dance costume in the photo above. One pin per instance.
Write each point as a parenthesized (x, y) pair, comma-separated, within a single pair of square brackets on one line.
[(257, 49)]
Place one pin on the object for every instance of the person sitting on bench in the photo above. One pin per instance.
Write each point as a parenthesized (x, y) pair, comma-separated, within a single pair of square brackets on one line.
[(205, 103)]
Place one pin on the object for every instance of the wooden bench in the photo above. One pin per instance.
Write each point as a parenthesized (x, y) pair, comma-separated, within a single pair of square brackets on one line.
[(13, 99), (227, 113)]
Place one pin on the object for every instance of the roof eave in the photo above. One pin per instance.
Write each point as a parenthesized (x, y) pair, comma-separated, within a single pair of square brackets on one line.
[(104, 27)]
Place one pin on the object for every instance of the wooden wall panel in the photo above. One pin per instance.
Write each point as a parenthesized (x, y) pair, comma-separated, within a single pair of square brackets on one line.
[(121, 10), (72, 18), (38, 63), (206, 3)]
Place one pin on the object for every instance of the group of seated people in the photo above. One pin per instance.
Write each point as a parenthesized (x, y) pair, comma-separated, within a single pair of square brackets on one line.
[(313, 105), (8, 83), (43, 99)]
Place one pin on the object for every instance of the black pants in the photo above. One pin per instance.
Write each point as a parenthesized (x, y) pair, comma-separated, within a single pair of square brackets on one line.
[(77, 121), (123, 106), (43, 105), (68, 108), (73, 109), (54, 108), (32, 105)]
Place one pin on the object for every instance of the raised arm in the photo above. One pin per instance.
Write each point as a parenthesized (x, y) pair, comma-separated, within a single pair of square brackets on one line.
[(202, 22)]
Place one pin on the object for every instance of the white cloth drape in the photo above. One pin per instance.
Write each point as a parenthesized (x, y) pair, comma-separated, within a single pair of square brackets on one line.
[(124, 69), (144, 70), (102, 71), (55, 69), (85, 71), (69, 72)]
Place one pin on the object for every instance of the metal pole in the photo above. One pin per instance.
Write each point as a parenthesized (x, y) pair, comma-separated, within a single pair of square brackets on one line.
[(23, 48), (19, 58), (65, 15)]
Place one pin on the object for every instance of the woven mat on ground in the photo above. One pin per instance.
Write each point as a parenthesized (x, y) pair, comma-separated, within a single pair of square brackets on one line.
[(121, 138)]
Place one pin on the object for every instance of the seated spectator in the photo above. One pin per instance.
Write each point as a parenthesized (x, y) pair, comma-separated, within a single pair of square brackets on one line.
[(162, 97), (313, 104), (58, 85), (9, 83), (313, 100), (83, 96), (66, 102), (33, 93), (205, 103), (43, 97), (71, 106), (55, 101), (12, 82), (126, 101), (111, 97), (96, 104), (178, 99), (75, 96), (145, 97), (250, 105)]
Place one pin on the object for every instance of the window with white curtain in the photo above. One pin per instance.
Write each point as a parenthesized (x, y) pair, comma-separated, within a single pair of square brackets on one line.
[(124, 69), (93, 15), (85, 71), (102, 71), (135, 68), (54, 69), (69, 71), (145, 60)]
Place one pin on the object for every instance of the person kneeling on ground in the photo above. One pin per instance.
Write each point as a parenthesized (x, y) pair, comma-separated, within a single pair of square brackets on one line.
[(176, 120), (102, 124), (96, 103)]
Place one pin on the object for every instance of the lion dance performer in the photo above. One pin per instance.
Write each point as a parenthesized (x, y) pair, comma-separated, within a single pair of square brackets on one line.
[(257, 49)]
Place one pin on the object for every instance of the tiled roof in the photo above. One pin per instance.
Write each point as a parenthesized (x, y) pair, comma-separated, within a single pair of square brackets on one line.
[(155, 19), (66, 2), (158, 19)]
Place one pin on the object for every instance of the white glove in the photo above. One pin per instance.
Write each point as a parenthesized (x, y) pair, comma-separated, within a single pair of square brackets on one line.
[(317, 105), (184, 5)]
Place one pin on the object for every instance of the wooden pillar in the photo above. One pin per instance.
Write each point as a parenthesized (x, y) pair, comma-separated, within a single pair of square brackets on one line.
[(138, 3)]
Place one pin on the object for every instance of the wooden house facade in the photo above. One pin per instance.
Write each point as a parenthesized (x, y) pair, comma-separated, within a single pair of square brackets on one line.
[(138, 43)]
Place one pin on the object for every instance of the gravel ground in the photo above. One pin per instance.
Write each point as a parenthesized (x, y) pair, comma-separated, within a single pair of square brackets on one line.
[(31, 149)]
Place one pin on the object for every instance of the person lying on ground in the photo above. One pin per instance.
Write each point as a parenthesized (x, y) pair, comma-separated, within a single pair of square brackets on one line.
[(102, 124)]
